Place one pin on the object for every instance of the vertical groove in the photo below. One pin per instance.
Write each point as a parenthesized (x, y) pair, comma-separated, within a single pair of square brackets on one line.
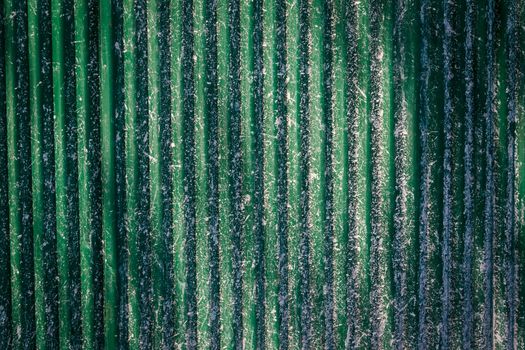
[(259, 188), (520, 171), (281, 125), (304, 183), (143, 215), (447, 179), (5, 264), (352, 110), (211, 110), (293, 164), (468, 239), (405, 230), (328, 191), (120, 168), (235, 168), (160, 172), (188, 170), (380, 175), (424, 182), (489, 198), (510, 210), (235, 165)]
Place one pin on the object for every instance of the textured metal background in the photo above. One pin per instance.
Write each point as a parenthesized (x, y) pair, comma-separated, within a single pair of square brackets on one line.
[(262, 174)]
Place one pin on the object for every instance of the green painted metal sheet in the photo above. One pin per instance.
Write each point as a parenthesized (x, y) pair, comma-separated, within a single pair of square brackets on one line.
[(275, 174)]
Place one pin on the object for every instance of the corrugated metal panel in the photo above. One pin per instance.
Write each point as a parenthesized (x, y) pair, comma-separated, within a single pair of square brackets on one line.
[(262, 174)]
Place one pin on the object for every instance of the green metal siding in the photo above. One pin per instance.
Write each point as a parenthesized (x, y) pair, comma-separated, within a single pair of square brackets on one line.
[(262, 174)]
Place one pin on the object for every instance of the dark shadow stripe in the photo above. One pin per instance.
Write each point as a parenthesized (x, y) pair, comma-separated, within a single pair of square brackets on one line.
[(377, 178), (188, 168), (141, 81), (447, 178), (304, 185), (5, 271), (424, 113), (468, 237), (120, 173), (328, 191), (489, 196), (352, 110), (511, 213), (258, 128), (235, 167), (166, 157), (95, 186), (281, 123), (212, 164)]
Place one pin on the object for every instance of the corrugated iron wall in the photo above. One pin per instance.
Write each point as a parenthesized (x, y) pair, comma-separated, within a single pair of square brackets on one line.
[(262, 174)]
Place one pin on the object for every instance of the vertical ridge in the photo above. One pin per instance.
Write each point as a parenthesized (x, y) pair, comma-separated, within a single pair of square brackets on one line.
[(340, 171), (270, 176), (225, 251), (293, 162), (132, 183), (201, 130), (318, 139), (248, 172), (108, 176), (179, 225)]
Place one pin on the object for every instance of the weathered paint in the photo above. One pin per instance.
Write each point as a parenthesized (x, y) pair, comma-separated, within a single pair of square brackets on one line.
[(262, 174)]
